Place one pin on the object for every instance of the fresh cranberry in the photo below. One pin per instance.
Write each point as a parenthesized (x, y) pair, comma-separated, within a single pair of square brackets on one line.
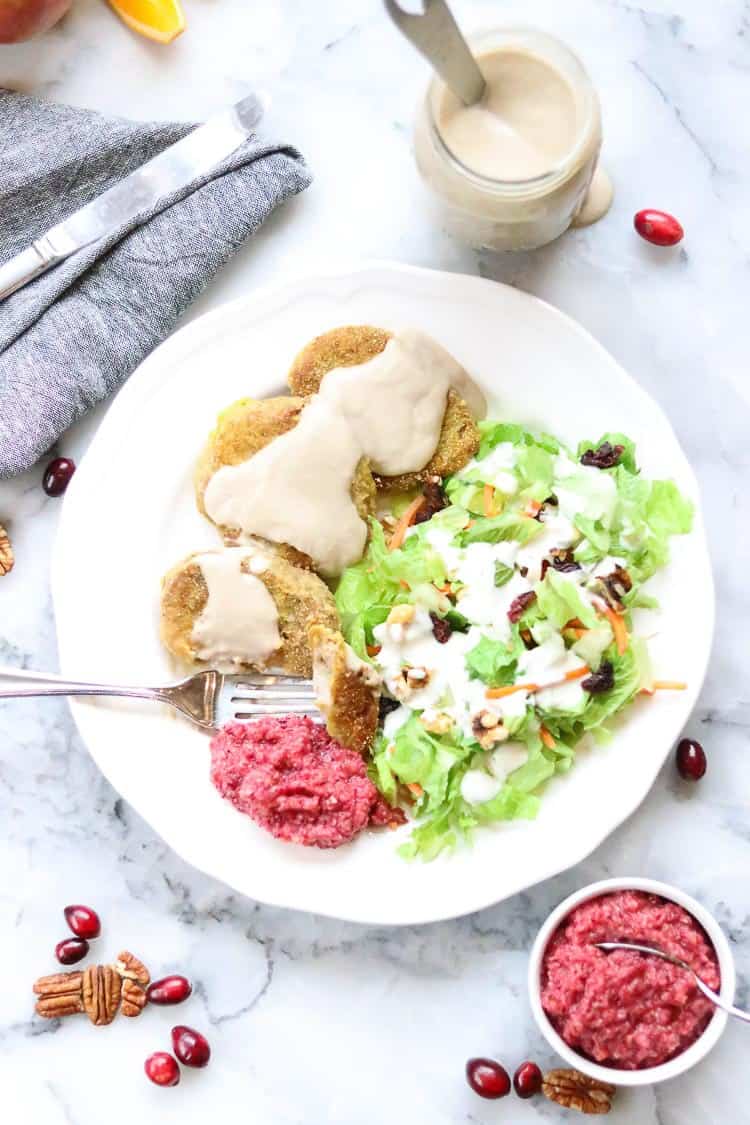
[(83, 921), (71, 950), (190, 1046), (487, 1078), (169, 990), (527, 1080), (691, 759), (162, 1069), (658, 227), (57, 476)]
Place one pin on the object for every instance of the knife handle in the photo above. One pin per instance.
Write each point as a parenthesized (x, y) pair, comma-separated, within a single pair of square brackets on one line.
[(24, 267)]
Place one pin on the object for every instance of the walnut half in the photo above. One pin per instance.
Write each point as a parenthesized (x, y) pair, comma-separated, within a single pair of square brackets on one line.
[(574, 1090)]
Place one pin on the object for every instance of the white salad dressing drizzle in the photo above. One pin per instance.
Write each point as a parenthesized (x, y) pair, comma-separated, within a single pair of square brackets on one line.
[(297, 488), (478, 785), (239, 623)]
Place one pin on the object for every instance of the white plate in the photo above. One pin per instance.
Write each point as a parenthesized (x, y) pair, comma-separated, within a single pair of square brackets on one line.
[(129, 514)]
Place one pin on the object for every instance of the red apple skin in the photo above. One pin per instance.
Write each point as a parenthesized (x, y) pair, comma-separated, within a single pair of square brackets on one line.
[(20, 19)]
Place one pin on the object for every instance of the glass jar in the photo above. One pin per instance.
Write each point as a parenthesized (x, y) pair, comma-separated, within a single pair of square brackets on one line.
[(512, 214)]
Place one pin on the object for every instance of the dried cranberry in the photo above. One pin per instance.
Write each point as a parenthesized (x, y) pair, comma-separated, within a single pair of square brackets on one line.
[(487, 1078), (527, 1080), (605, 456), (658, 227), (520, 604), (441, 629), (162, 1069), (190, 1046), (433, 500), (601, 680), (57, 476), (169, 990), (71, 950), (83, 921), (691, 759), (564, 561), (386, 706)]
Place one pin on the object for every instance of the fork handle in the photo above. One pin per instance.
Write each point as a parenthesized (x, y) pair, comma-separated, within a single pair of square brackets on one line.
[(24, 683)]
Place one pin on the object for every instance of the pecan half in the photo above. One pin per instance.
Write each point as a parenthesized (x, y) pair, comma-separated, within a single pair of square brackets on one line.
[(574, 1090), (7, 557), (520, 604), (60, 994), (101, 993), (129, 967), (134, 998)]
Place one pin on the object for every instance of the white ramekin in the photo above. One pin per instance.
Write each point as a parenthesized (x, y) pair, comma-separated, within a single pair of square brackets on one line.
[(694, 1053)]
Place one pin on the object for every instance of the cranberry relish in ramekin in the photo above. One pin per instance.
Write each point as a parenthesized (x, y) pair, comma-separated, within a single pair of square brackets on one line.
[(623, 1009)]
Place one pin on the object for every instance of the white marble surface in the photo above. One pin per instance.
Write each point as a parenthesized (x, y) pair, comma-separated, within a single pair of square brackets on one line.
[(312, 1020)]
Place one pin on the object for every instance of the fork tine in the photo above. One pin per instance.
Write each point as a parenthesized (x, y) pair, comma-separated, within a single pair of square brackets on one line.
[(256, 712), (268, 695)]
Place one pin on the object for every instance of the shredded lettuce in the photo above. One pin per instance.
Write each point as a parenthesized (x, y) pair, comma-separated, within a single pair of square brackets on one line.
[(619, 515)]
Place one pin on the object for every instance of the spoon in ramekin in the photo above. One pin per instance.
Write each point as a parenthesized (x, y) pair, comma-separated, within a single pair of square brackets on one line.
[(709, 993)]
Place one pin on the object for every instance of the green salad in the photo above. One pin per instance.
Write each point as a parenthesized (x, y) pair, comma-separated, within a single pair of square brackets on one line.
[(501, 624)]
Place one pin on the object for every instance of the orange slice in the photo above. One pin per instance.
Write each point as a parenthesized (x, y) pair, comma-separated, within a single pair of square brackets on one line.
[(160, 20)]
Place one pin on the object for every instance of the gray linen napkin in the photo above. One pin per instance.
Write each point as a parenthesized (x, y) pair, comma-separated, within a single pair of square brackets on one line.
[(72, 336)]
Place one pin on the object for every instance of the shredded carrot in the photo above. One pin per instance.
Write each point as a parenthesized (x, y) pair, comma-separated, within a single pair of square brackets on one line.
[(469, 524), (404, 584), (577, 633), (547, 738), (533, 508), (664, 685), (509, 689), (618, 628), (488, 500), (415, 788), (373, 650), (574, 623), (446, 589), (404, 523)]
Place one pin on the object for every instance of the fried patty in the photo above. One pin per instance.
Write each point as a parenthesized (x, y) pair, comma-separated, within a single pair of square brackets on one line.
[(357, 343), (347, 689), (300, 597), (246, 427)]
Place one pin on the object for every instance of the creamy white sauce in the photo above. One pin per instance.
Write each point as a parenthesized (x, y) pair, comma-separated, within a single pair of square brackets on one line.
[(297, 488), (481, 601), (547, 665), (557, 533), (478, 785), (598, 200), (524, 126), (239, 623)]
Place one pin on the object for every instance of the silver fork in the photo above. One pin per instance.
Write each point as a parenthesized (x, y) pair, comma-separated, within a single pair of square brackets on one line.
[(209, 699)]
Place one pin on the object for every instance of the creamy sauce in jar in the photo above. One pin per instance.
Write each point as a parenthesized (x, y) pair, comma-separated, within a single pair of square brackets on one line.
[(297, 489), (515, 170), (239, 623), (524, 126)]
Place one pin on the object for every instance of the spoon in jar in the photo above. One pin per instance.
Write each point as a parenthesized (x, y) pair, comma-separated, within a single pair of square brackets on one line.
[(709, 993), (436, 35)]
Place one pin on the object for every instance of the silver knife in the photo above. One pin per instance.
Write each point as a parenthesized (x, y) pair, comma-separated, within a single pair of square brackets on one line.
[(193, 156)]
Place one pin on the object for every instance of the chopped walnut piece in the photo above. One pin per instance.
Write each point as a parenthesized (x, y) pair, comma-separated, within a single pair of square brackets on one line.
[(401, 615), (574, 1090), (7, 557), (488, 729), (436, 722)]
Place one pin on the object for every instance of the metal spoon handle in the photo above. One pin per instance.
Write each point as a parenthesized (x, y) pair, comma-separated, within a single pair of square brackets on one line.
[(437, 37), (709, 993)]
